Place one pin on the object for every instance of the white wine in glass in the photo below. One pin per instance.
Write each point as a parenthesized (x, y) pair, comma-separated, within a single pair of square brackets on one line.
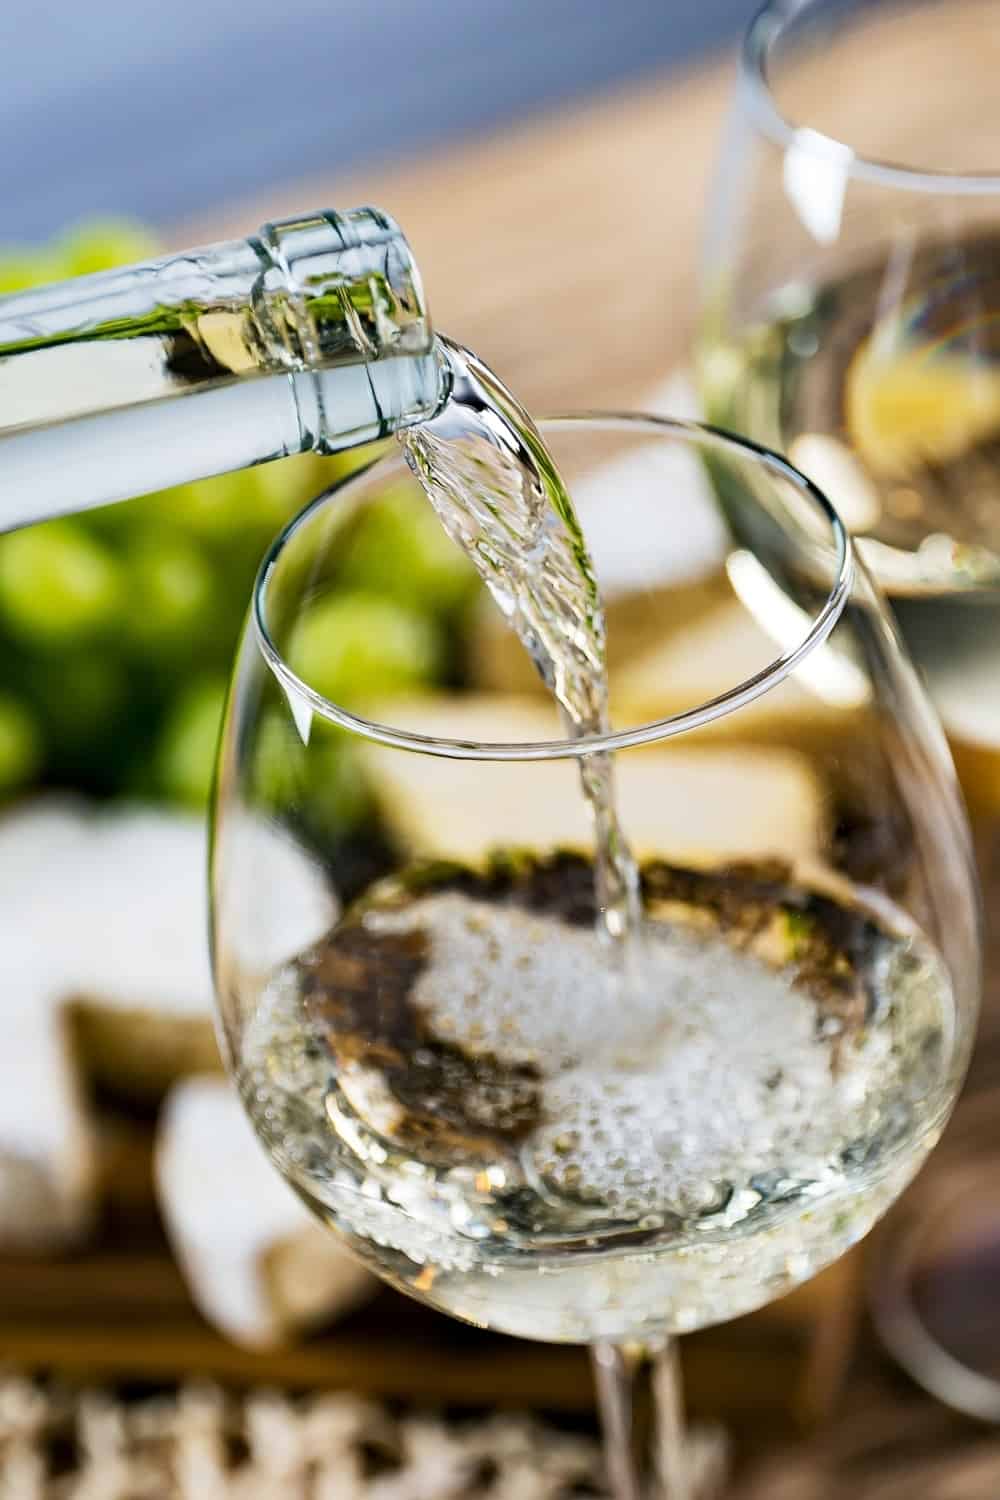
[(620, 1023)]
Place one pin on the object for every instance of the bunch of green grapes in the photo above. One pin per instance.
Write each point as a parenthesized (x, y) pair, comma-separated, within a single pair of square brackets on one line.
[(118, 626)]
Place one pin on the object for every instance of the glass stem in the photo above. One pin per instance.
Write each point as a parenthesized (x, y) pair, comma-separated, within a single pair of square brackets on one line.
[(616, 1372), (670, 1438), (614, 1376)]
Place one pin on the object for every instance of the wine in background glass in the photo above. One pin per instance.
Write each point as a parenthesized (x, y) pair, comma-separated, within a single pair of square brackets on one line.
[(852, 315), (529, 1116)]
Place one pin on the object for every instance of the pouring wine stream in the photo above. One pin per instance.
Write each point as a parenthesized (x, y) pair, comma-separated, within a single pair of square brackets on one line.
[(499, 496)]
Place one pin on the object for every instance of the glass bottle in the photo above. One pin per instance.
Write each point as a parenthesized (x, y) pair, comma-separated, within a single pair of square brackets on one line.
[(310, 334)]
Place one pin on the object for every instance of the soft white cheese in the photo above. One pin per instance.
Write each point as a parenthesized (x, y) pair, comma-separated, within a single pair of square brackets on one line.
[(257, 1263), (47, 1151)]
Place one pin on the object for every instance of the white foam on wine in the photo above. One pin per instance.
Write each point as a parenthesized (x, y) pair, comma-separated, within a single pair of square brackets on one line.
[(709, 1069), (710, 1106)]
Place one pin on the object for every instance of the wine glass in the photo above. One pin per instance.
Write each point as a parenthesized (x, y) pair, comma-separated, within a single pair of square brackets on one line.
[(499, 1110), (852, 320), (852, 309)]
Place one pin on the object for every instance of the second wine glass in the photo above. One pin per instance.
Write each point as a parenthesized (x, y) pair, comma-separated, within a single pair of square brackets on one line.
[(852, 319), (852, 315)]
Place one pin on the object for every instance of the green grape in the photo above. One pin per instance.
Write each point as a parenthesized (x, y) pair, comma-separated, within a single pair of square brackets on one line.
[(58, 583), (171, 593), (284, 487), (92, 717), (287, 485), (261, 499), (21, 269), (100, 244), (278, 762), (95, 245), (185, 758), (20, 745), (399, 547), (80, 693), (123, 520), (211, 509), (342, 800), (325, 781), (334, 468), (356, 645)]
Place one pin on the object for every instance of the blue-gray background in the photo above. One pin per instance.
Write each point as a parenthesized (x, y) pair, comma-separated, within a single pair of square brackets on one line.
[(163, 108)]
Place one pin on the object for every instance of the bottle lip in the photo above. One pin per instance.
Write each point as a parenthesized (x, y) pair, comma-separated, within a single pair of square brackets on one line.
[(767, 26), (306, 699), (339, 287)]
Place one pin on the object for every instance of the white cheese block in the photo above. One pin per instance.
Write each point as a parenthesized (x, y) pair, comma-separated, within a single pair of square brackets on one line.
[(47, 1148), (721, 646), (141, 976), (656, 538), (105, 976), (685, 804), (677, 636), (719, 650), (697, 662), (678, 649), (650, 515), (259, 1266)]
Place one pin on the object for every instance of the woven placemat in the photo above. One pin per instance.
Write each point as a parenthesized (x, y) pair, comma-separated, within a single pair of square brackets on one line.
[(203, 1443), (206, 1444)]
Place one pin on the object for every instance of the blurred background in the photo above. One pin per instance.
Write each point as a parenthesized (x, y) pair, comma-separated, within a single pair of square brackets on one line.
[(230, 98), (549, 163)]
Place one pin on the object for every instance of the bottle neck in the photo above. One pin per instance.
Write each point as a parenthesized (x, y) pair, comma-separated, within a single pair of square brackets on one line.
[(312, 334)]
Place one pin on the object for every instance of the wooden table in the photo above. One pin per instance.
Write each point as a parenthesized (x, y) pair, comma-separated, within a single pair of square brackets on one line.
[(522, 243)]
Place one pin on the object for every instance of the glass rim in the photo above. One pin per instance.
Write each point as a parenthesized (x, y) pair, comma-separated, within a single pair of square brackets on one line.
[(733, 699), (762, 33)]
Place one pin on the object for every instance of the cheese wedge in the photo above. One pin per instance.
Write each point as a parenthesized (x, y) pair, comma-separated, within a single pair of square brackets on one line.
[(105, 977), (717, 651), (258, 1265), (674, 650), (47, 1145), (48, 1160), (140, 974), (679, 803), (636, 624), (676, 634), (656, 538), (139, 977)]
